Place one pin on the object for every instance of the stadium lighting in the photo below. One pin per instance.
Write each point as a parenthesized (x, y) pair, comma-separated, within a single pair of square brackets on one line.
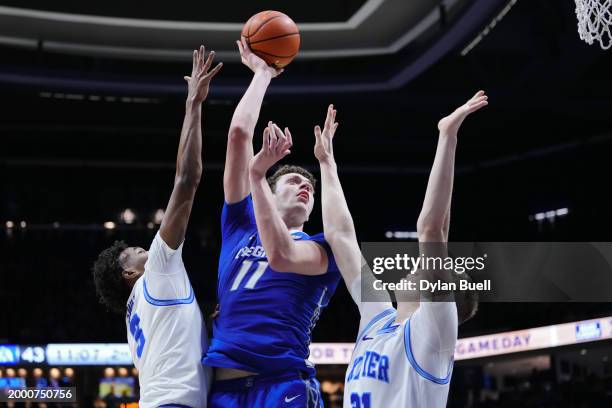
[(10, 224), (109, 225), (159, 216), (23, 224), (128, 216), (583, 352), (488, 28), (401, 235), (150, 225), (550, 214)]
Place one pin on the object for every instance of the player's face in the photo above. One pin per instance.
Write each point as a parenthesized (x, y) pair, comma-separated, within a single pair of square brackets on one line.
[(294, 196), (134, 259)]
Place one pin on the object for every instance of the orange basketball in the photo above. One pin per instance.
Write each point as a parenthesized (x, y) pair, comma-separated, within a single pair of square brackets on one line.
[(272, 36)]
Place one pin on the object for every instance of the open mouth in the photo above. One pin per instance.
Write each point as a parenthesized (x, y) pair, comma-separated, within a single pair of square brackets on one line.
[(304, 196)]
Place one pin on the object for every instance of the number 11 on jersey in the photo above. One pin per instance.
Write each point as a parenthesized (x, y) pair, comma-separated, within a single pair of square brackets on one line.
[(244, 269), (360, 402)]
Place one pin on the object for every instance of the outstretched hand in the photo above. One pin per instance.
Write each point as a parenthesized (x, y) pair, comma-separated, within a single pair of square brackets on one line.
[(450, 124), (254, 62), (276, 145), (200, 78), (324, 147)]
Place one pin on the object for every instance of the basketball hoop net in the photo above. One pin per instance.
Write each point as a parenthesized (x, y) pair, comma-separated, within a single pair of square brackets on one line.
[(594, 21)]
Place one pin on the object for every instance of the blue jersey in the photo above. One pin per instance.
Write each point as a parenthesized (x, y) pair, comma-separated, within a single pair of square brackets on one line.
[(265, 317)]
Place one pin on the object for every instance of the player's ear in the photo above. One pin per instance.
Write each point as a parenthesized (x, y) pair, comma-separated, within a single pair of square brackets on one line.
[(129, 273)]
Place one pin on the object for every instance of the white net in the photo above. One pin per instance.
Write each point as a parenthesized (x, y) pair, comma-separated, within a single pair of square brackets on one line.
[(594, 21)]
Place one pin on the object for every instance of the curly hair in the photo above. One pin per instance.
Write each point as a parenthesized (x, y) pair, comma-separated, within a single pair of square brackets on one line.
[(286, 169), (111, 289)]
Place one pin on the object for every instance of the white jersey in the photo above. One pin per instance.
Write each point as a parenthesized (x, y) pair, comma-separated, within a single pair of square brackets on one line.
[(166, 334), (404, 364)]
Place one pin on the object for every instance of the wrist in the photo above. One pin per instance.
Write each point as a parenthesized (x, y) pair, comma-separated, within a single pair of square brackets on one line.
[(192, 103), (257, 175), (328, 164), (263, 73)]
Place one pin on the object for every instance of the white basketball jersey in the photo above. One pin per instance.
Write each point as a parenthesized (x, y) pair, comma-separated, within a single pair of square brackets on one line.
[(166, 334), (384, 373)]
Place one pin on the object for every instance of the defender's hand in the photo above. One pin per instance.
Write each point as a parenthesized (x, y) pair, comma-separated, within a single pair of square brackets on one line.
[(276, 145), (255, 63), (450, 124), (324, 147), (200, 78)]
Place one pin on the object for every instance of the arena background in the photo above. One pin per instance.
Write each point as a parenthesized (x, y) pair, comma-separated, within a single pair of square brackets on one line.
[(90, 119)]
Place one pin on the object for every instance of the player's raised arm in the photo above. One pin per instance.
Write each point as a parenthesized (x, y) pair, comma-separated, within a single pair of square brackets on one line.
[(284, 254), (240, 138), (433, 222), (436, 322), (189, 157), (338, 224)]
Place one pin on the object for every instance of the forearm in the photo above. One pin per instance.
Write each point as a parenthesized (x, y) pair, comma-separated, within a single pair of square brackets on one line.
[(337, 219), (273, 231), (436, 205), (247, 112), (338, 224), (189, 156)]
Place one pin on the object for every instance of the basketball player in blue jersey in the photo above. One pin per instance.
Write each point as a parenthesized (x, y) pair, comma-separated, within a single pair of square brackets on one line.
[(165, 331), (274, 279), (403, 357)]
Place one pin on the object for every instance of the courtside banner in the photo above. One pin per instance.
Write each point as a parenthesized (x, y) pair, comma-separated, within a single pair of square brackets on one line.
[(340, 353), (493, 271)]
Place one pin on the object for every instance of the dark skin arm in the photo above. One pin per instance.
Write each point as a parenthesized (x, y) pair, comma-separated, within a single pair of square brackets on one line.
[(189, 157)]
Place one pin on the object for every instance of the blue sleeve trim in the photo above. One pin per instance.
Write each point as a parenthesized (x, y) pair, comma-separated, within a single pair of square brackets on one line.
[(174, 406), (416, 366), (167, 302), (375, 319)]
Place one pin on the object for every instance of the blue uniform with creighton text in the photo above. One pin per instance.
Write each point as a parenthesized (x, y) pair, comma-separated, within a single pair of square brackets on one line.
[(265, 319), (403, 364), (166, 334)]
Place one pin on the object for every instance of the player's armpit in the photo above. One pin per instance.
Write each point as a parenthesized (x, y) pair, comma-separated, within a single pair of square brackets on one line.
[(304, 258)]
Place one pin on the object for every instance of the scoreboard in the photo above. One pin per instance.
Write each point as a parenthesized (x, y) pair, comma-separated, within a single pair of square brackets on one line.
[(66, 354)]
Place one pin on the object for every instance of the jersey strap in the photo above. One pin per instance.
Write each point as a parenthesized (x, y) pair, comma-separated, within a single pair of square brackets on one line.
[(416, 366), (374, 320), (167, 302)]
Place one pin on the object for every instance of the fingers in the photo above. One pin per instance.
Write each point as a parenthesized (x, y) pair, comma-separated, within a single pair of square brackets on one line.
[(475, 107), (244, 47), (478, 94), (317, 132), (195, 62), (266, 140), (288, 135), (214, 71), (208, 63)]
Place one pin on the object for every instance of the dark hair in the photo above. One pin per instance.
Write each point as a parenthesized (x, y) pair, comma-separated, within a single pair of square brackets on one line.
[(111, 289), (467, 302), (286, 169)]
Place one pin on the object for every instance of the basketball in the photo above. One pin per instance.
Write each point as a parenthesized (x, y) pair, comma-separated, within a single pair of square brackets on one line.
[(272, 36)]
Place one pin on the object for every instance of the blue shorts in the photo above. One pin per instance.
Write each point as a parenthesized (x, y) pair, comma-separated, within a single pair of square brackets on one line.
[(287, 390)]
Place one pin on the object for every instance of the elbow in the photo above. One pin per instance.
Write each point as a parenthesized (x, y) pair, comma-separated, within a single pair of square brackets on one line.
[(430, 230), (190, 178), (238, 132), (279, 261)]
